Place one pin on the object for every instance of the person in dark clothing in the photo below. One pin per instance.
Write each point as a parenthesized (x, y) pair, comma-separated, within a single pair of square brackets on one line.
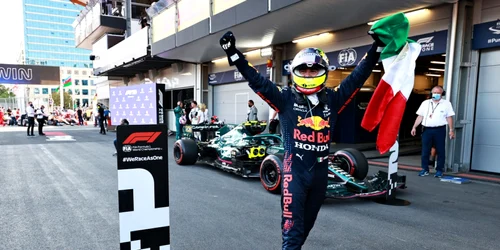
[(187, 110), (40, 118), (79, 112), (30, 113), (100, 111), (104, 7), (308, 113), (123, 122)]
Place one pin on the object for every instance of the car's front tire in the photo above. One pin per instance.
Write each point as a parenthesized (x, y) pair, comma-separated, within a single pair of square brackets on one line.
[(185, 152), (270, 174), (352, 161)]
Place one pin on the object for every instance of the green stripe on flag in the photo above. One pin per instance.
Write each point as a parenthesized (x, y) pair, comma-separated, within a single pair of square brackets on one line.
[(67, 82), (393, 31)]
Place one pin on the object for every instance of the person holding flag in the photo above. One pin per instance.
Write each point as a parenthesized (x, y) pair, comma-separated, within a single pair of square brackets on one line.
[(308, 112), (387, 105)]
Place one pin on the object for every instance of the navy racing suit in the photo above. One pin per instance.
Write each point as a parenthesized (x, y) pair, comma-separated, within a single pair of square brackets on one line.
[(307, 130)]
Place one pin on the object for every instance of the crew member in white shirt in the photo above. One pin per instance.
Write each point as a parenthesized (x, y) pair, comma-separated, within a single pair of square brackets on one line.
[(194, 115), (30, 111), (434, 114)]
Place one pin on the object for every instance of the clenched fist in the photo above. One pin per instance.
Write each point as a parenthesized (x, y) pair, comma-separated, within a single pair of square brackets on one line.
[(228, 44), (228, 41)]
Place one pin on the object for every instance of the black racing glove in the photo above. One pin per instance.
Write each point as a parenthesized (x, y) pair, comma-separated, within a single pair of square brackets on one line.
[(228, 44), (377, 40)]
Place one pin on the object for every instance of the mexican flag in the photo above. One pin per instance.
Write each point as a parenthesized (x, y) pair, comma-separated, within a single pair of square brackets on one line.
[(388, 102), (67, 82)]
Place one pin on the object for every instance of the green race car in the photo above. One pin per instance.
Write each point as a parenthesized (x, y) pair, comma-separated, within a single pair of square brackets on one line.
[(244, 150), (239, 149)]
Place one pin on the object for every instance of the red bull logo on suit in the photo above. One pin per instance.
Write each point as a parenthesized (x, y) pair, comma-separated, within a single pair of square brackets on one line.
[(315, 123)]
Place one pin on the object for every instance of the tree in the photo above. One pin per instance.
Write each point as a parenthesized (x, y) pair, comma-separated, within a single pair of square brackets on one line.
[(68, 101), (5, 92)]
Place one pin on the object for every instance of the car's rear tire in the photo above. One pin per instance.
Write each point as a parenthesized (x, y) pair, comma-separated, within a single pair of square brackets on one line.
[(352, 161), (270, 174), (185, 152)]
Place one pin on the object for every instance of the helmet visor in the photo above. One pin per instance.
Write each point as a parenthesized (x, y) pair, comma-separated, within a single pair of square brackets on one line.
[(309, 70)]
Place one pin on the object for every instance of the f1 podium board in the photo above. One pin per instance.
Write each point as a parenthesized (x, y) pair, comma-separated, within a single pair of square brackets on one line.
[(143, 194)]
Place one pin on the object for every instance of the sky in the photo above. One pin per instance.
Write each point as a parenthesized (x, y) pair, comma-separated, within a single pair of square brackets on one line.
[(11, 28)]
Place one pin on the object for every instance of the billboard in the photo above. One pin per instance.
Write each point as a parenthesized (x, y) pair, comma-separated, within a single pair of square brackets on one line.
[(233, 76), (139, 104), (486, 35), (143, 193), (29, 74)]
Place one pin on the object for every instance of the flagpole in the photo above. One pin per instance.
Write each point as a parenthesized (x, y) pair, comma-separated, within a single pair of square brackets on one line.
[(61, 95)]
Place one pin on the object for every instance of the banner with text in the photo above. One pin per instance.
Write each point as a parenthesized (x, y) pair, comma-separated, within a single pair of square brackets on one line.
[(234, 75), (486, 35), (29, 74)]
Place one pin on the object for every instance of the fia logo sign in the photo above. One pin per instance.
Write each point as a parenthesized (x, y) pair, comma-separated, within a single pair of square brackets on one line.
[(347, 57), (127, 148), (237, 76)]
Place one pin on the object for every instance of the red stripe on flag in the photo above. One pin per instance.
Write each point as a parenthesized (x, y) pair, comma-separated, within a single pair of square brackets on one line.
[(378, 103), (391, 121)]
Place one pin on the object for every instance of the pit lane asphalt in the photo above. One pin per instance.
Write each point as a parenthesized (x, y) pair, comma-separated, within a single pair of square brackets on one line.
[(63, 195)]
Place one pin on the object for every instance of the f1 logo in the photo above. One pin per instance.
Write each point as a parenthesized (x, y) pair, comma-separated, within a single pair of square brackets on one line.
[(148, 137)]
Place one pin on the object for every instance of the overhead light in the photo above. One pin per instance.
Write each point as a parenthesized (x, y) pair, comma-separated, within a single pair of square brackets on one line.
[(436, 75), (443, 54), (219, 60), (310, 37), (438, 62), (436, 69), (186, 74), (252, 52), (266, 52), (408, 14), (376, 70)]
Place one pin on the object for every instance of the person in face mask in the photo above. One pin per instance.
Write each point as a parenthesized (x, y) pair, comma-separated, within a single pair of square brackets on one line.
[(307, 111), (434, 114)]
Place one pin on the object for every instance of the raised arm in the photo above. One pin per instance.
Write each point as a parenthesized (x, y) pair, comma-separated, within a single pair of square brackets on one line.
[(351, 85), (263, 87)]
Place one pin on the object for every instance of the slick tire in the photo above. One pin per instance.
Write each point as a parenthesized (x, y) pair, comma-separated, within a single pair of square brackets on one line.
[(185, 152), (270, 174), (352, 161)]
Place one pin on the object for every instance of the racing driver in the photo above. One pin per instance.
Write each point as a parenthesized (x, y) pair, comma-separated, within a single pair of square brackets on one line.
[(308, 111)]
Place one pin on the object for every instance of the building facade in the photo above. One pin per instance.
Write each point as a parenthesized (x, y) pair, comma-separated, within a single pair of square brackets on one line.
[(460, 41), (82, 88), (49, 35)]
